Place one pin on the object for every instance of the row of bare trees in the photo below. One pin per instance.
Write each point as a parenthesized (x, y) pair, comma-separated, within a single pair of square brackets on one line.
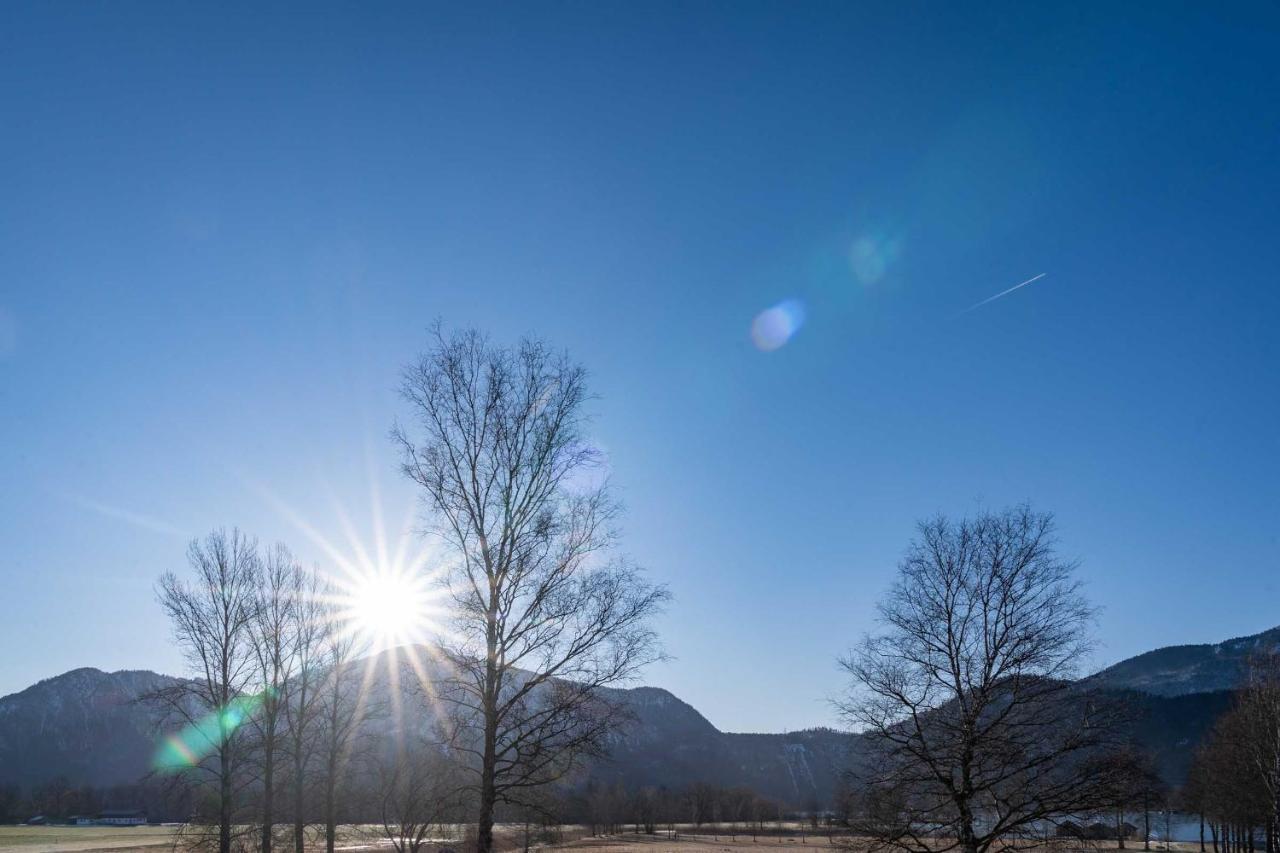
[(700, 807), (1234, 781), (269, 713), (545, 614), (58, 799)]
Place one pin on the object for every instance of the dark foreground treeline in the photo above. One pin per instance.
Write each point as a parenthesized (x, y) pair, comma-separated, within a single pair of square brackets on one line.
[(593, 808), (1234, 780), (60, 799)]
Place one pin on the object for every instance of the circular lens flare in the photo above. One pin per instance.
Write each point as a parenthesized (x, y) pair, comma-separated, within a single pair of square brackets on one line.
[(872, 254), (773, 327)]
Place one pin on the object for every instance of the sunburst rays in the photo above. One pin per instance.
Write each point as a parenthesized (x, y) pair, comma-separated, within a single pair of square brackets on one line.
[(387, 595)]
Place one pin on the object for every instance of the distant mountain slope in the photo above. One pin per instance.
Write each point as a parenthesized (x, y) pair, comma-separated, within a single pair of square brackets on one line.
[(85, 724), (1182, 670), (1171, 727), (89, 726)]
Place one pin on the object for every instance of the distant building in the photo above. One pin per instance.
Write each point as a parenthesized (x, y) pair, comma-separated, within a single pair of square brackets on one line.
[(122, 817), (81, 820)]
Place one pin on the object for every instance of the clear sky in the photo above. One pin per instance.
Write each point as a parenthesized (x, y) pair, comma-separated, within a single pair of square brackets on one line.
[(223, 230)]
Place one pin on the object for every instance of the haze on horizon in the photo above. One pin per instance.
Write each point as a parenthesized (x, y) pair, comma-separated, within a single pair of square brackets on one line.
[(762, 230)]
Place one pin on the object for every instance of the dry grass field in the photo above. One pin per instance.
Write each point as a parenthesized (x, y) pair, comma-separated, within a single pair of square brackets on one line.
[(70, 839), (81, 839)]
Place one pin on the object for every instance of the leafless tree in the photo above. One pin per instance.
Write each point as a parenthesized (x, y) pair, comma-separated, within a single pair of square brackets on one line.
[(544, 614), (273, 634), (1194, 797), (701, 798), (966, 694), (342, 709), (1127, 780), (302, 705), (1237, 768), (418, 795), (212, 618), (1259, 706)]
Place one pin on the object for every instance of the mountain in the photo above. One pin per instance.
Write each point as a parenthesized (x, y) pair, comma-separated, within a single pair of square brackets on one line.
[(85, 724), (1184, 670), (91, 727)]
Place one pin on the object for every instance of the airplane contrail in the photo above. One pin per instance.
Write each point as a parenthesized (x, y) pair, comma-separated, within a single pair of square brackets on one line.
[(1002, 293), (137, 519)]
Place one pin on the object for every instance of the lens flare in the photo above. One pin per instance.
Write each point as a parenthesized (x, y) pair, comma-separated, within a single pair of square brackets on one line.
[(773, 327), (872, 254), (187, 748)]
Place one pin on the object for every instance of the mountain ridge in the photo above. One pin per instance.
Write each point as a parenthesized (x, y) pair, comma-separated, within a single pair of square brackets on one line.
[(88, 725), (1181, 670)]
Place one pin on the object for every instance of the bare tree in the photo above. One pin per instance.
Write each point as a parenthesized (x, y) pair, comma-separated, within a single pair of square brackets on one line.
[(212, 619), (342, 709), (1237, 768), (1259, 706), (417, 795), (1194, 796), (979, 734), (544, 615), (273, 634), (310, 622), (1126, 779)]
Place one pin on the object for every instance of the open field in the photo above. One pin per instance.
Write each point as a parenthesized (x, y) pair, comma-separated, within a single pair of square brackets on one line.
[(743, 843), (90, 839), (79, 839)]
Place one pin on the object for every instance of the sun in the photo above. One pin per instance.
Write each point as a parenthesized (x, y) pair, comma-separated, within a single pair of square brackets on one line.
[(389, 608)]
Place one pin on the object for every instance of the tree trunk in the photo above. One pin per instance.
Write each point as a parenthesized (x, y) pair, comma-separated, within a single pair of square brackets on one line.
[(488, 769), (330, 809), (224, 799), (299, 825), (968, 839), (1201, 832), (1120, 828), (268, 783)]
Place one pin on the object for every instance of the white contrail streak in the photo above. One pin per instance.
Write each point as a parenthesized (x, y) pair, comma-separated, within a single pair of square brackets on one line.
[(137, 519), (1002, 293)]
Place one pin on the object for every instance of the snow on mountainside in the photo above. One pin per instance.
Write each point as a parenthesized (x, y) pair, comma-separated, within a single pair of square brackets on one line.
[(1183, 670)]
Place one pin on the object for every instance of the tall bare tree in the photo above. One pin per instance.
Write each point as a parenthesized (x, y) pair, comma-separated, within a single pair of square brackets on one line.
[(966, 692), (302, 705), (212, 618), (418, 796), (1259, 706), (273, 633), (544, 614), (342, 709), (1236, 773)]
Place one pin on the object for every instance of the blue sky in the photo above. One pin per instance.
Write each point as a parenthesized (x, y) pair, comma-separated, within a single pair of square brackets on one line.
[(223, 230)]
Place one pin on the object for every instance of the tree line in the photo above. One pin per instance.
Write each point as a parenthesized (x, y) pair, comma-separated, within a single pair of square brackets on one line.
[(975, 729), (544, 613), (1234, 781), (979, 733), (267, 722)]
